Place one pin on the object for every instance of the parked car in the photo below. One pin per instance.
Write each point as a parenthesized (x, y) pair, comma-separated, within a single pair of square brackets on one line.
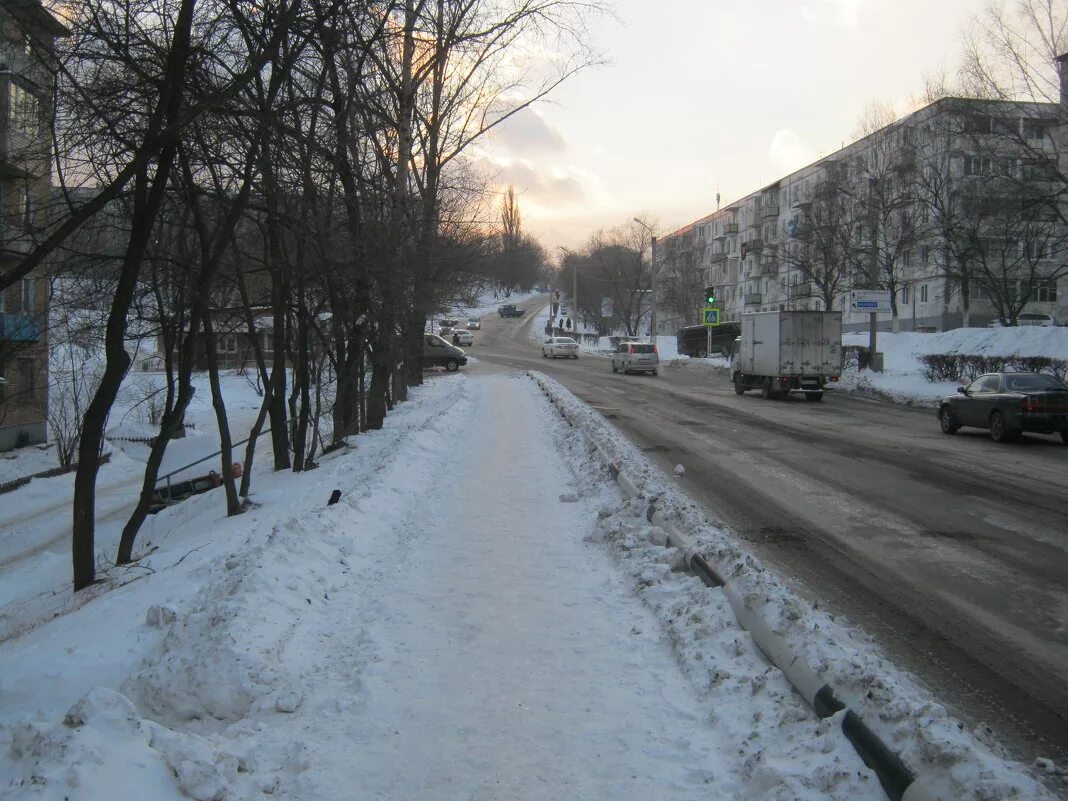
[(633, 357), (1008, 404), (474, 324), (510, 310), (462, 337), (438, 352), (1028, 319), (560, 346)]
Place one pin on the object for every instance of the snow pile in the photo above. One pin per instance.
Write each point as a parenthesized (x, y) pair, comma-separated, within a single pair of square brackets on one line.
[(903, 378), (104, 749), (960, 764)]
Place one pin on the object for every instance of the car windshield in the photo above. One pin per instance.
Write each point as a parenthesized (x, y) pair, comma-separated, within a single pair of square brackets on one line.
[(641, 348), (1027, 381), (565, 341)]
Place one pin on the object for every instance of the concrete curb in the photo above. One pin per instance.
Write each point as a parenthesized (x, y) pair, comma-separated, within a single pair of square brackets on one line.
[(899, 783)]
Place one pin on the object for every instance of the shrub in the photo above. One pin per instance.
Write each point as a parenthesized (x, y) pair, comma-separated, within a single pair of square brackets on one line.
[(955, 366)]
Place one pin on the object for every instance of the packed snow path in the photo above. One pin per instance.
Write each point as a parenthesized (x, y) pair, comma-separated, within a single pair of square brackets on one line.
[(510, 661)]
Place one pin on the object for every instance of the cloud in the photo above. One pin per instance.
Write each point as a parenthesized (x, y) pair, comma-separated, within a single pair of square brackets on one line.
[(526, 133), (842, 13), (789, 151), (546, 188)]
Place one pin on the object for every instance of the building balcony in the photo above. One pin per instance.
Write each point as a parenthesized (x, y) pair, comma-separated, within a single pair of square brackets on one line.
[(730, 229), (771, 210), (802, 290), (19, 328), (770, 267), (753, 299)]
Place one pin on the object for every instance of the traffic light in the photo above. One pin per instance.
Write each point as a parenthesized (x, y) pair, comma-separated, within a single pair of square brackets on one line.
[(710, 295)]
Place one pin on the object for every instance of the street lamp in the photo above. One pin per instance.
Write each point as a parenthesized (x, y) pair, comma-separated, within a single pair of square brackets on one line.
[(652, 278)]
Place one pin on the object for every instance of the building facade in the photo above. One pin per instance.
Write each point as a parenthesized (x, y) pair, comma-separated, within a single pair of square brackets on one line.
[(27, 76), (955, 209)]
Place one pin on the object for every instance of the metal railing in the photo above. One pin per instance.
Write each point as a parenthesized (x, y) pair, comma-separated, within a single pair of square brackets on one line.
[(167, 478)]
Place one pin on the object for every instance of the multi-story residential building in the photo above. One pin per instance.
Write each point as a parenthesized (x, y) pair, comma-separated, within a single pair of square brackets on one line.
[(27, 76), (953, 208)]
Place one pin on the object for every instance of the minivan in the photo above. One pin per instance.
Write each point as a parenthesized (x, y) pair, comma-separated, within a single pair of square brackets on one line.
[(636, 357), (437, 352)]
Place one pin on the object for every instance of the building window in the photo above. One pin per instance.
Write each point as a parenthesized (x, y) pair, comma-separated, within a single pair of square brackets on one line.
[(906, 258), (24, 110), (977, 165), (905, 296), (28, 295), (923, 293), (1046, 292), (27, 379), (925, 254)]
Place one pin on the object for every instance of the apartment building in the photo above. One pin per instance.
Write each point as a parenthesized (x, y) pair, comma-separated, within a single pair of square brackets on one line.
[(27, 75), (954, 208)]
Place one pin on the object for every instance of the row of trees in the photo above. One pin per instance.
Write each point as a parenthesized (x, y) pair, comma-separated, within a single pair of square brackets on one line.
[(288, 166)]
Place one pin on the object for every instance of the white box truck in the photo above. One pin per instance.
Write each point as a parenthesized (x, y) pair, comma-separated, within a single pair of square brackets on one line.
[(788, 351)]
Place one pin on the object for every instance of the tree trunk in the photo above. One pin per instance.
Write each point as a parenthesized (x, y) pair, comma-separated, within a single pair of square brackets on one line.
[(226, 457), (171, 422)]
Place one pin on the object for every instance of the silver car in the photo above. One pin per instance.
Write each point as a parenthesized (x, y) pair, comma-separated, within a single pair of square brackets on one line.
[(635, 357), (462, 338), (560, 346)]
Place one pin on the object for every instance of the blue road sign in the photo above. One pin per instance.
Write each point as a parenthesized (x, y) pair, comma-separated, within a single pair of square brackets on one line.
[(711, 316)]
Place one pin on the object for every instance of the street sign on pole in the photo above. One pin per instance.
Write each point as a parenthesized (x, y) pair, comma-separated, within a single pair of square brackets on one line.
[(711, 316), (870, 300), (607, 309)]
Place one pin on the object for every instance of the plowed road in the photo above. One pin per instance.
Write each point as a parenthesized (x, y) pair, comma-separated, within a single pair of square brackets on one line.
[(951, 551)]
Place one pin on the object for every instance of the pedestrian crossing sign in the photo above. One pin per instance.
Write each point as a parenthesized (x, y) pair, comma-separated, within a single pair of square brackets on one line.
[(711, 316)]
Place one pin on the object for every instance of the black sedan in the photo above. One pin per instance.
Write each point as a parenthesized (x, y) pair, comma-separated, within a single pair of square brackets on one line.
[(1008, 404)]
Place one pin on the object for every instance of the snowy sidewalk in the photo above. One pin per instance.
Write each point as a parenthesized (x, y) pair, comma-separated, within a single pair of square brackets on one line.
[(510, 660)]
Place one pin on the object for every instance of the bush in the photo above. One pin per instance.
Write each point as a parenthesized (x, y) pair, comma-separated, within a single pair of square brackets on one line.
[(955, 366), (851, 356)]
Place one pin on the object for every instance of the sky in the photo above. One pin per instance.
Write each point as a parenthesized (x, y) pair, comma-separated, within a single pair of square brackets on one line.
[(707, 96)]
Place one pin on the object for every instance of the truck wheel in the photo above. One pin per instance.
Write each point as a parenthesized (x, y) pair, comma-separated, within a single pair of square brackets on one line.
[(739, 387), (614, 370), (452, 365), (814, 396), (765, 389)]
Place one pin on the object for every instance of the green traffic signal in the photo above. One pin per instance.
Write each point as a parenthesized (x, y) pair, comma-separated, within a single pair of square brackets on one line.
[(710, 295)]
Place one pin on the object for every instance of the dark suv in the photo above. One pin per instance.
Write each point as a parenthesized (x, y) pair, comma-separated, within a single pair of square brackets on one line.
[(438, 352)]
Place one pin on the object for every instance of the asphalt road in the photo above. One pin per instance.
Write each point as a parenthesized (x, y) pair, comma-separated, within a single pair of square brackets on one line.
[(951, 551)]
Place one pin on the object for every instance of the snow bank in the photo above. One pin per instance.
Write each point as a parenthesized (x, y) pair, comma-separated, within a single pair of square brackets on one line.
[(903, 379), (162, 681), (960, 764)]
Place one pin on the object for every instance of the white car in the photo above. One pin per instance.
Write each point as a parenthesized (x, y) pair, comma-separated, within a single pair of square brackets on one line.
[(1029, 318), (462, 338), (474, 324), (560, 346), (636, 357)]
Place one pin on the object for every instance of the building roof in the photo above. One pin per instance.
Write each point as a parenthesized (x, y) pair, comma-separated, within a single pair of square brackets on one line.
[(37, 14)]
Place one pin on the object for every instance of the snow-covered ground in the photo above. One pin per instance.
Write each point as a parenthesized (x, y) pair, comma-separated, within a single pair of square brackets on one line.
[(35, 520), (481, 616), (902, 378)]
